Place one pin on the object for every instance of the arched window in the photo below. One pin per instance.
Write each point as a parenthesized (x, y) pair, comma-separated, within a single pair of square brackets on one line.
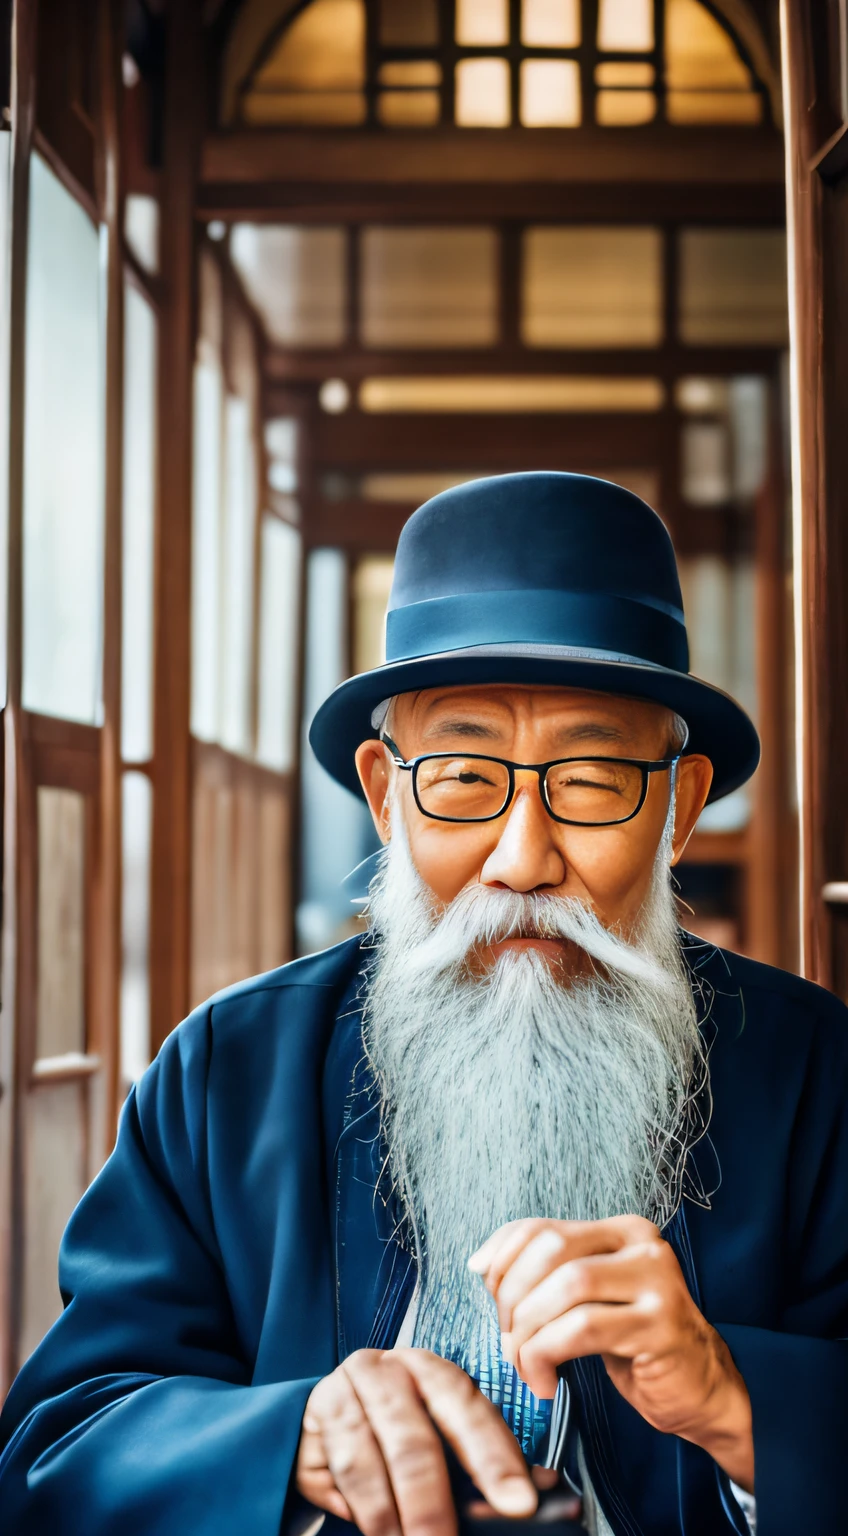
[(543, 64)]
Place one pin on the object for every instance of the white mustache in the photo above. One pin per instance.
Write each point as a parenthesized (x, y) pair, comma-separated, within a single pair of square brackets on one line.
[(479, 916)]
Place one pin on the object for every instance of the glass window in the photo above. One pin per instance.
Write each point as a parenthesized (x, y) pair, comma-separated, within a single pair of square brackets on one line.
[(511, 393), (409, 23), (280, 436), (137, 813), (63, 457), (139, 511), (62, 829), (482, 23), (592, 287), (429, 287), (55, 1177), (733, 286), (622, 109), (237, 586), (626, 26), (409, 108), (706, 80), (371, 585), (206, 548), (705, 453), (296, 279), (315, 73), (482, 93), (141, 229), (278, 643), (550, 93), (550, 23)]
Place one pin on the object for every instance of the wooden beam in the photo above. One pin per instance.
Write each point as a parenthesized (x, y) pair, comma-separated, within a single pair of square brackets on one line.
[(636, 202), (171, 850), (296, 366), (358, 442), (447, 156)]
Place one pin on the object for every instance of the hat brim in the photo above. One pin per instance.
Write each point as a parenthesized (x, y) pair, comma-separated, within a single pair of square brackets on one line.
[(718, 727)]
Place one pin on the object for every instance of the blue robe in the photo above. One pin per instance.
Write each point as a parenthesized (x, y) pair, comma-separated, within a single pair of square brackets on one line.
[(233, 1248)]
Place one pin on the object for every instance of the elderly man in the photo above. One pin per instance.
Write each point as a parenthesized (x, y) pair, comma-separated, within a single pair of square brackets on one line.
[(525, 1194)]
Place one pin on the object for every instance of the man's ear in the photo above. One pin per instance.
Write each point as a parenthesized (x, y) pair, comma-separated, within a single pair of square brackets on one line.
[(373, 769), (693, 780)]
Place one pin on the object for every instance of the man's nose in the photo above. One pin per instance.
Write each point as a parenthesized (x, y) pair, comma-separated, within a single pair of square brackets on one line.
[(526, 855)]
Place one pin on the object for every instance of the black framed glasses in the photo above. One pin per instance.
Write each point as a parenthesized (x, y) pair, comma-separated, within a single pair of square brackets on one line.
[(578, 791)]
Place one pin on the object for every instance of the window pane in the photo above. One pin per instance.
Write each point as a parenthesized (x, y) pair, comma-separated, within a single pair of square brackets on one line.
[(206, 550), (511, 393), (409, 72), (482, 93), (409, 109), (55, 1179), (733, 286), (550, 93), (596, 287), (141, 229), (137, 803), (316, 70), (237, 589), (429, 287), (409, 23), (278, 648), (619, 109), (699, 54), (296, 279), (281, 447), (626, 25), (481, 22), (620, 72), (372, 582), (139, 495), (60, 1024), (550, 23), (63, 454), (705, 454)]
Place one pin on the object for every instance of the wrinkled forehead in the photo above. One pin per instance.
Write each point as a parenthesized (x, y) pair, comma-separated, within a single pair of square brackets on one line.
[(497, 711)]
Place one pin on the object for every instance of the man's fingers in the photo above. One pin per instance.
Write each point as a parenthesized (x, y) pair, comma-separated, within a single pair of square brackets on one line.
[(476, 1431), (593, 1329), (354, 1458), (611, 1277), (409, 1447)]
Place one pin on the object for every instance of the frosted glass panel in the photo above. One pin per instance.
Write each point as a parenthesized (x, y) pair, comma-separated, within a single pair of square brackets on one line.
[(550, 23), (482, 22), (206, 550), (139, 492), (429, 287), (237, 586), (278, 649), (55, 1140), (137, 803), (313, 72), (372, 582), (60, 1026), (63, 453), (550, 93), (733, 286), (141, 229), (592, 287), (625, 25), (511, 393), (409, 23), (482, 93), (296, 279)]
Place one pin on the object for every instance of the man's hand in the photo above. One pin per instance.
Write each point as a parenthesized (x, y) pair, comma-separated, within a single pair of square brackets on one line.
[(614, 1288), (370, 1451)]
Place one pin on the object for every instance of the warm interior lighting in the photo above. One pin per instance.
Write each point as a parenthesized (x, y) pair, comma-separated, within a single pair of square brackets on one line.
[(620, 109), (733, 287), (550, 93), (295, 277), (409, 23), (518, 393), (482, 23), (618, 72), (410, 72), (428, 286), (413, 488), (700, 396), (597, 286), (707, 82), (482, 93), (409, 109), (713, 107), (316, 71), (626, 26), (550, 23)]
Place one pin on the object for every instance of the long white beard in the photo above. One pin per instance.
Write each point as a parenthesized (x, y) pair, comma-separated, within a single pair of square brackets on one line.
[(519, 1091)]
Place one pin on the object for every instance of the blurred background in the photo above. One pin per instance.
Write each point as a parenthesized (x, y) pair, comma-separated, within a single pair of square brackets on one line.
[(272, 273)]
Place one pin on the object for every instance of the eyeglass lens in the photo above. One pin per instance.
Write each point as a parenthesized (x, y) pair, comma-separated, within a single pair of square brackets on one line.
[(582, 791)]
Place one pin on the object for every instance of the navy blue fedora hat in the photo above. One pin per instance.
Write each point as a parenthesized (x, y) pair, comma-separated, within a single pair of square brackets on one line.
[(538, 578)]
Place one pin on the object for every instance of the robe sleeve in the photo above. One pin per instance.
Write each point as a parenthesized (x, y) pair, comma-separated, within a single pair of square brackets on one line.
[(797, 1373), (136, 1414)]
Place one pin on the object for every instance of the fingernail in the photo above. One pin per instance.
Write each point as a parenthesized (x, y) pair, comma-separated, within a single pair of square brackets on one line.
[(516, 1496), (478, 1264)]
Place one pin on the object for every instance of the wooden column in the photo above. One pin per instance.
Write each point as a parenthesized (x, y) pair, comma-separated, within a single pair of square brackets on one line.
[(171, 853), (815, 86)]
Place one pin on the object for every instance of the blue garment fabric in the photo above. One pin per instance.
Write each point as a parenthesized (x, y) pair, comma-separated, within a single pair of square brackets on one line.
[(239, 1242)]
